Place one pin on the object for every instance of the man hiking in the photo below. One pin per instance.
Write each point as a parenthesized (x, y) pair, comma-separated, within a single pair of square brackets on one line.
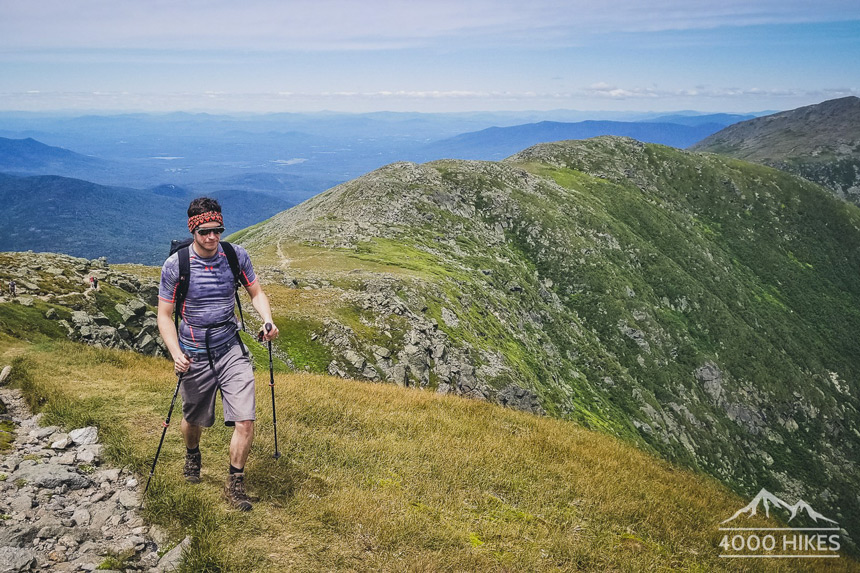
[(207, 352)]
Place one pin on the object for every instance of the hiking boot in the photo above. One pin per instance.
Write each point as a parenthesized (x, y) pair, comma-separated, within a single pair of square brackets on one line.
[(234, 492), (192, 467)]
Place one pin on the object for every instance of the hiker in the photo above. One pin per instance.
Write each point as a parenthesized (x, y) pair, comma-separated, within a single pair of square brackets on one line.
[(207, 351), (95, 281), (12, 286)]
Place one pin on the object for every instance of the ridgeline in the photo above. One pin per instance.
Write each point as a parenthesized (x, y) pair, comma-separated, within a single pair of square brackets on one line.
[(697, 306)]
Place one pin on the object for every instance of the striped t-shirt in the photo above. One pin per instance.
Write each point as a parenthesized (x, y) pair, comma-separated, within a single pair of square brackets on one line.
[(210, 298)]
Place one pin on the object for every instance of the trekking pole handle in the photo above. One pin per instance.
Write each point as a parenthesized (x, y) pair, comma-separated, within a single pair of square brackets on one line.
[(268, 329)]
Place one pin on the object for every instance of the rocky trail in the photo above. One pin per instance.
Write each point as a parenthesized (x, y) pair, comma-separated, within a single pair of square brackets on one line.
[(62, 510)]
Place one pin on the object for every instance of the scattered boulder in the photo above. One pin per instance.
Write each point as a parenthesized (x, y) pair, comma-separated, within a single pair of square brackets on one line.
[(521, 399), (13, 559), (49, 476), (85, 436)]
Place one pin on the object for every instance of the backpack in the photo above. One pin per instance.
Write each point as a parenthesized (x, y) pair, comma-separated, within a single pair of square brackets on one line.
[(182, 246)]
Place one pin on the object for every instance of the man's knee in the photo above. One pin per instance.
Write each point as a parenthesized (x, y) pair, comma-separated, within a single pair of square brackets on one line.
[(245, 426)]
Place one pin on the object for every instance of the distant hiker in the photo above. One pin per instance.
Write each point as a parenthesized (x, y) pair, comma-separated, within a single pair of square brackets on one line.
[(95, 282), (207, 351), (12, 286)]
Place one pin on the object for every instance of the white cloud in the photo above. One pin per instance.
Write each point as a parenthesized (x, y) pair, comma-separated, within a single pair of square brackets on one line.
[(608, 91), (389, 24)]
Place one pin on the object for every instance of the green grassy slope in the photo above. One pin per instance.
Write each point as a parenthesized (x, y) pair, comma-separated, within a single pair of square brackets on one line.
[(378, 478), (700, 307)]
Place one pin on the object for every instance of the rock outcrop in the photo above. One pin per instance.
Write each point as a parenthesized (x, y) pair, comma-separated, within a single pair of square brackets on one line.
[(119, 314)]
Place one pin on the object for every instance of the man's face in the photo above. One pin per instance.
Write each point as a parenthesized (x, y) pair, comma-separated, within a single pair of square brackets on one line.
[(208, 241)]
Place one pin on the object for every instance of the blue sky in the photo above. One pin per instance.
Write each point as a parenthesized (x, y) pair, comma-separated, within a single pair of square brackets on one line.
[(429, 56)]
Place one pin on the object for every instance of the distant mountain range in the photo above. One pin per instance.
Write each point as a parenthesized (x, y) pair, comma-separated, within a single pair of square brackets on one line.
[(61, 214), (819, 142), (309, 152), (31, 157), (499, 142)]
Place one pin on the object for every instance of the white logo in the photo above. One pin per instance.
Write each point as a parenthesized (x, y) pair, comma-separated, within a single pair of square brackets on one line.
[(813, 534)]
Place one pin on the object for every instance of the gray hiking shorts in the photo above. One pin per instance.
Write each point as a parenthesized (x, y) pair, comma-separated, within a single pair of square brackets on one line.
[(232, 375)]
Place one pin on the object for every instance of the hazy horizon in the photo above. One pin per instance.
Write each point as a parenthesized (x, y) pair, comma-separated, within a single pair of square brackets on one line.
[(444, 56)]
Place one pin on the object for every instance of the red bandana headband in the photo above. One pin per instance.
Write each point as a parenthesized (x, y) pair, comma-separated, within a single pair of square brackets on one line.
[(197, 220)]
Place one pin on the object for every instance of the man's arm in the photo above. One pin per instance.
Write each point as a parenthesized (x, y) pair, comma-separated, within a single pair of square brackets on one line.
[(261, 304), (167, 329)]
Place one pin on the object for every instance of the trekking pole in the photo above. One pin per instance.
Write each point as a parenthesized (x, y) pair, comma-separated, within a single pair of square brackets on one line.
[(272, 385), (166, 423)]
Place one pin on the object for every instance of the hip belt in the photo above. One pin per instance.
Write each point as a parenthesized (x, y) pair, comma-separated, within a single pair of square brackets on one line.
[(215, 352)]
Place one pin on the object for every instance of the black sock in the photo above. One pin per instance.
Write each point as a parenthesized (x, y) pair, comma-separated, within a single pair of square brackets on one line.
[(194, 451), (235, 470)]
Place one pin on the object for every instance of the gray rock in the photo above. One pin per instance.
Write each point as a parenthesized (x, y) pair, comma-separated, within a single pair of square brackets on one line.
[(85, 436), (17, 535), (91, 454), (145, 343), (81, 517), (13, 559), (67, 459), (42, 433), (171, 560), (125, 312), (50, 476), (4, 374), (80, 318), (101, 319), (100, 513), (110, 475), (60, 441), (50, 529), (381, 352), (355, 359), (128, 499), (158, 535), (449, 318), (711, 378), (521, 399), (21, 503), (136, 306), (397, 374)]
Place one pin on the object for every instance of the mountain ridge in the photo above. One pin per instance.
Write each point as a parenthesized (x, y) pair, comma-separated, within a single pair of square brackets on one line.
[(495, 143), (820, 142), (668, 297)]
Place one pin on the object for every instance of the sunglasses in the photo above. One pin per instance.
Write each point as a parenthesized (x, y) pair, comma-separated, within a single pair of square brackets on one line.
[(204, 232)]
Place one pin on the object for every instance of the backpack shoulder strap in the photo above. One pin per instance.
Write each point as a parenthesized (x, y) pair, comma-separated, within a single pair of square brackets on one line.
[(238, 277), (233, 259), (182, 283)]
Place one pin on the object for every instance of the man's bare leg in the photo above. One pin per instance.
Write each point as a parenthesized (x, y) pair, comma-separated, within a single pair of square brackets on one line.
[(240, 443), (191, 434)]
